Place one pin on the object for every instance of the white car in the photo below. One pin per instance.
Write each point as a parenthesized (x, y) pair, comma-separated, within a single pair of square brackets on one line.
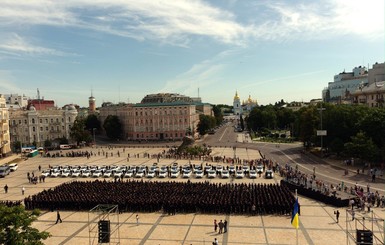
[(114, 167), (118, 173), (186, 173), (225, 174), (150, 174), (140, 173), (239, 174), (211, 174), (75, 173), (55, 173), (253, 174), (65, 173), (245, 169), (45, 173), (269, 174), (13, 166), (129, 173), (86, 173), (174, 173), (232, 169), (97, 173), (107, 173), (259, 169), (163, 174), (199, 174), (219, 169)]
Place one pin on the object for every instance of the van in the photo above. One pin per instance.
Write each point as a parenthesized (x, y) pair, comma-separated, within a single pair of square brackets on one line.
[(4, 171), (65, 147)]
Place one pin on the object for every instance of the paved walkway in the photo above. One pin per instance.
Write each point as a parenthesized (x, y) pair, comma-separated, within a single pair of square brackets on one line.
[(317, 220)]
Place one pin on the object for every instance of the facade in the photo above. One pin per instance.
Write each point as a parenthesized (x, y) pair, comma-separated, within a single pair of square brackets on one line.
[(344, 84), (372, 94), (237, 107), (157, 118), (41, 104), (5, 141), (16, 101), (36, 126)]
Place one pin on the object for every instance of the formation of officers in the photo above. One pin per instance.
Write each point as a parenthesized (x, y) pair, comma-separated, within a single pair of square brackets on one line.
[(169, 197)]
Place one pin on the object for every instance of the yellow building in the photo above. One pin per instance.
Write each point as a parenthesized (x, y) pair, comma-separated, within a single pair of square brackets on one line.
[(5, 142)]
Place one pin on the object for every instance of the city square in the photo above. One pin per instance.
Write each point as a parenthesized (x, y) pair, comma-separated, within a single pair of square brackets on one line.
[(317, 220)]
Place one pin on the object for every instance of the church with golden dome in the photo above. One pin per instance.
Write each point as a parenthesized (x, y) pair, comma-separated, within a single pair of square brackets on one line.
[(245, 107)]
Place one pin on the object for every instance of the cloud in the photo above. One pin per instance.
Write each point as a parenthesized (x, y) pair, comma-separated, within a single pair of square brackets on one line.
[(200, 75), (15, 45)]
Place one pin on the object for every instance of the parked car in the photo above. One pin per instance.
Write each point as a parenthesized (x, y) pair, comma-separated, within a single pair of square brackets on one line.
[(65, 173), (232, 169), (269, 174), (163, 174), (129, 173), (13, 167), (86, 173), (151, 174), (55, 173), (253, 174), (118, 173), (199, 174), (107, 173), (225, 174), (174, 173), (239, 174), (259, 169), (211, 174), (97, 173), (75, 173), (140, 173), (186, 173), (45, 173)]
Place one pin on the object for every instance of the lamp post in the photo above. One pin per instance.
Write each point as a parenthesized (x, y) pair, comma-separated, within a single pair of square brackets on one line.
[(321, 132)]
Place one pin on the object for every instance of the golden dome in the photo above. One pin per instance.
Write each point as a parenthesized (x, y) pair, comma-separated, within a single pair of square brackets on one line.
[(236, 97)]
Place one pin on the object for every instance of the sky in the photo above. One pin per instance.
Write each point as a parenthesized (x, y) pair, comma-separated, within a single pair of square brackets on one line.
[(122, 50)]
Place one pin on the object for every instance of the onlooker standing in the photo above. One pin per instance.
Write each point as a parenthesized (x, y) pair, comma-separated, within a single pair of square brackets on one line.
[(215, 242), (337, 213), (6, 188), (137, 219), (220, 224), (215, 225), (225, 226), (22, 190)]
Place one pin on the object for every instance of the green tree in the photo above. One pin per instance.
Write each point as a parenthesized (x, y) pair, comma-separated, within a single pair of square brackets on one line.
[(218, 115), (16, 146), (205, 123), (79, 133), (337, 146), (15, 226), (241, 122), (113, 127), (47, 143), (361, 147), (92, 122)]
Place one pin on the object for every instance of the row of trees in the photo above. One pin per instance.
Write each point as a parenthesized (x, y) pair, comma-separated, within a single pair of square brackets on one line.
[(355, 131)]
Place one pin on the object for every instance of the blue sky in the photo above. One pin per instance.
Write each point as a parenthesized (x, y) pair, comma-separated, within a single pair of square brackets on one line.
[(125, 49)]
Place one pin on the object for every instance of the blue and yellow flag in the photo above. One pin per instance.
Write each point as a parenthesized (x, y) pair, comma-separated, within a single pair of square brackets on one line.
[(294, 215)]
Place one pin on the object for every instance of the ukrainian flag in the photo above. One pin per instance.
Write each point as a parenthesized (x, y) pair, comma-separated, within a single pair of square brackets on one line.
[(294, 215)]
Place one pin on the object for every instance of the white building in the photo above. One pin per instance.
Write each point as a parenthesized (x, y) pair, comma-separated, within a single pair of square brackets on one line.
[(5, 142), (16, 101), (344, 84), (237, 106), (32, 126)]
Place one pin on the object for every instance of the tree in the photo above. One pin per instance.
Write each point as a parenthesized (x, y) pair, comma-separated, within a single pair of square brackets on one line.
[(205, 123), (79, 132), (113, 127), (241, 122), (218, 115), (47, 143), (361, 147), (15, 226), (92, 122)]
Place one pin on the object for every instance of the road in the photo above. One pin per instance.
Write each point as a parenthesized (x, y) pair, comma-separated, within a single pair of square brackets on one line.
[(293, 155)]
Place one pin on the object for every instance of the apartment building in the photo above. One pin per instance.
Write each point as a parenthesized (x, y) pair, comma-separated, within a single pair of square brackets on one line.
[(5, 142)]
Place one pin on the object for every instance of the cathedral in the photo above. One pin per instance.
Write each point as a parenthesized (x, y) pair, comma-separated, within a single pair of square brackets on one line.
[(244, 107)]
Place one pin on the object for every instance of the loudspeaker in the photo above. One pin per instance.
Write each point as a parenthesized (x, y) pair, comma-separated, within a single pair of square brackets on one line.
[(104, 231), (364, 237)]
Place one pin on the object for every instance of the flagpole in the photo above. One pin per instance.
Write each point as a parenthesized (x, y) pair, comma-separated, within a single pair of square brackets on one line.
[(296, 230)]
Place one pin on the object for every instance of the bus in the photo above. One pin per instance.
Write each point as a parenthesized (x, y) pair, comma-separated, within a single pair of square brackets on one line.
[(65, 147), (4, 170), (33, 153)]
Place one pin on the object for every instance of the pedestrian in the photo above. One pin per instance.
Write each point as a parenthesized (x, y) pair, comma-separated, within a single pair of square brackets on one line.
[(215, 242), (137, 219), (6, 188), (225, 226), (353, 214), (220, 224), (58, 217), (337, 213), (22, 190), (215, 225), (39, 168)]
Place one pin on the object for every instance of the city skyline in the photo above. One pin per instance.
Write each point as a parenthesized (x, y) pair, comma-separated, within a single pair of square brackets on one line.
[(124, 50)]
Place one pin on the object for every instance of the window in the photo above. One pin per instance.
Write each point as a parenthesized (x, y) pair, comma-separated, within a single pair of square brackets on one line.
[(46, 120), (69, 119), (41, 120), (41, 129), (33, 120), (57, 120), (25, 121), (46, 128), (19, 121), (51, 120)]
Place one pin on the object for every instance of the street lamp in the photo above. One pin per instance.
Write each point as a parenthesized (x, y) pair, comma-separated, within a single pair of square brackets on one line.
[(321, 132)]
